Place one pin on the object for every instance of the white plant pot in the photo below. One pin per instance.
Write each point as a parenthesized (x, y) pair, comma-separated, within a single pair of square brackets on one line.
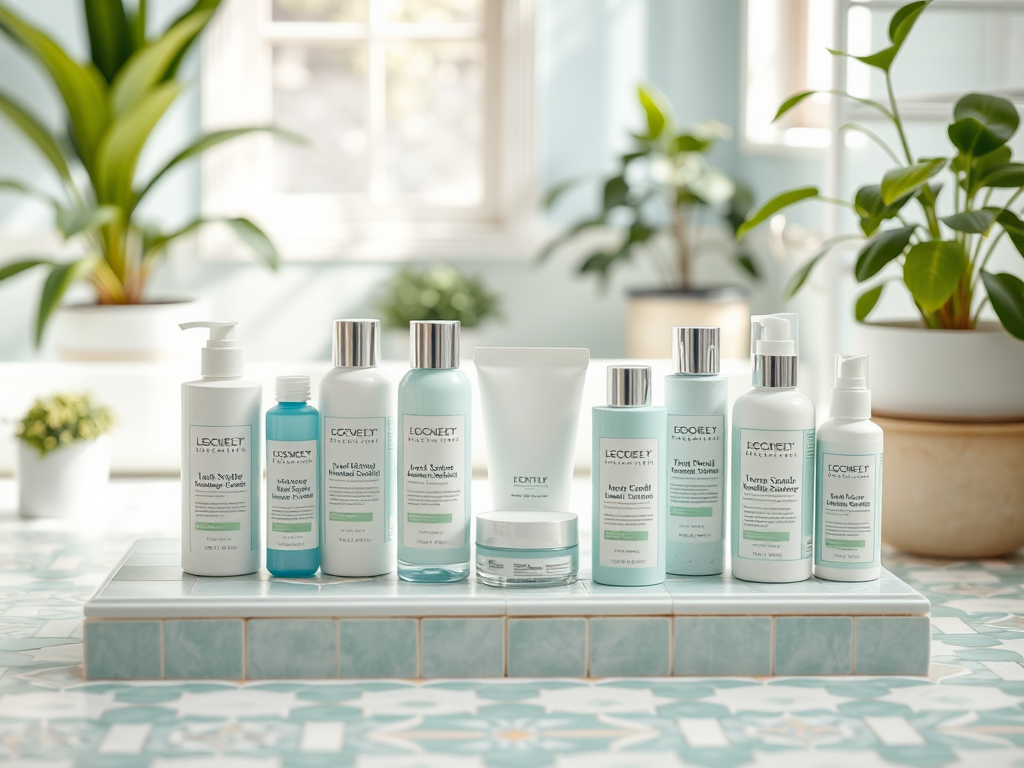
[(965, 376), (65, 482), (651, 315), (127, 332)]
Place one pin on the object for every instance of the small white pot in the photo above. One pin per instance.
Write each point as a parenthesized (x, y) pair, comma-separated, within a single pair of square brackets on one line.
[(919, 373), (651, 315), (126, 332), (65, 482)]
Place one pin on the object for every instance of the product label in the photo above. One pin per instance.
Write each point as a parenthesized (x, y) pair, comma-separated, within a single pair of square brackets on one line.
[(630, 506), (775, 470), (434, 482), (696, 478), (524, 567), (220, 489), (291, 494), (357, 454), (850, 504)]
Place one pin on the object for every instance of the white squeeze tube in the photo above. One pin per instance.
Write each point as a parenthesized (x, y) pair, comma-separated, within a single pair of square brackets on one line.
[(531, 406)]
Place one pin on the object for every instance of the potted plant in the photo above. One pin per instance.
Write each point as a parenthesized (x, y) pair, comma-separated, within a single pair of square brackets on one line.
[(949, 489), (113, 103), (439, 293), (662, 202), (63, 456)]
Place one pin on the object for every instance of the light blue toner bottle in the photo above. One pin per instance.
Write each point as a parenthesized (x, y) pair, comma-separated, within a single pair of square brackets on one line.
[(434, 467), (293, 428), (696, 398), (629, 482)]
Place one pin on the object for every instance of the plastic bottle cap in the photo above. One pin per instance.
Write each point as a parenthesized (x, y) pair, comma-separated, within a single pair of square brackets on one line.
[(776, 339), (222, 356), (850, 398), (629, 386), (292, 389), (774, 347)]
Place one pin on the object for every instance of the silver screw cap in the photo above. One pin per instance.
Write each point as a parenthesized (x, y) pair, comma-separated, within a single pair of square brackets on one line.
[(695, 349), (356, 343), (434, 343), (629, 385)]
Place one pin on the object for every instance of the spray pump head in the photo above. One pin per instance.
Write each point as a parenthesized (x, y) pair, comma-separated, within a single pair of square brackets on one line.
[(851, 398), (774, 347), (222, 357)]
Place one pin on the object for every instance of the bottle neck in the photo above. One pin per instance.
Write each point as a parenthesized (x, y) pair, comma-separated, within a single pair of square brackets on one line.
[(292, 404)]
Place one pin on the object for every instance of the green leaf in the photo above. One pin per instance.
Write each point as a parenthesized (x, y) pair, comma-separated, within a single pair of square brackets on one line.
[(629, 157), (244, 229), (866, 302), (110, 39), (872, 210), (880, 250), (562, 239), (932, 271), (639, 232), (599, 262), (16, 267), (656, 109), (983, 123), (118, 153), (61, 277), (791, 102), (1014, 229), (797, 98), (1006, 292), (748, 265), (37, 134), (798, 278), (616, 192), (82, 87), (17, 186), (551, 197), (879, 60), (1009, 175), (904, 19), (902, 181), (971, 222), (71, 221), (148, 65), (686, 143), (773, 206)]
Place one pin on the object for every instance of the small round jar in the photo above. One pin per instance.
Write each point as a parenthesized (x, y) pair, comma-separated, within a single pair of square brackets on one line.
[(527, 549)]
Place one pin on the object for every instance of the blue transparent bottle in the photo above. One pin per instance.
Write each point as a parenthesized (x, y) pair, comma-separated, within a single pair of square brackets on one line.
[(293, 530), (434, 459), (629, 482)]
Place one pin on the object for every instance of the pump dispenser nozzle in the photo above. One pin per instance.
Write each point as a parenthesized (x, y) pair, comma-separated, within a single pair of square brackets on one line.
[(851, 398), (774, 347), (222, 357)]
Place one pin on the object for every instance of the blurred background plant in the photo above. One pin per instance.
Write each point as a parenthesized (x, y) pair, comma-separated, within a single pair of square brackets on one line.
[(663, 198), (113, 103), (63, 419), (438, 293)]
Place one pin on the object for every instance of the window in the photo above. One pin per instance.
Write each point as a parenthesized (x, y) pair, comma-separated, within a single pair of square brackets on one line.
[(418, 115)]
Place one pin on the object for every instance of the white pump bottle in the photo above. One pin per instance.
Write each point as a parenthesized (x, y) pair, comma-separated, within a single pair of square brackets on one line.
[(220, 461), (848, 512), (773, 461)]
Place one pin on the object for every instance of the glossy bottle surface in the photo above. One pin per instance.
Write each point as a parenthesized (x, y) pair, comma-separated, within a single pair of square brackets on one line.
[(297, 424)]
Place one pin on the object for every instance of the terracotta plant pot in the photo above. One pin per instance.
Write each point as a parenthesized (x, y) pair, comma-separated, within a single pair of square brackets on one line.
[(953, 490), (652, 314)]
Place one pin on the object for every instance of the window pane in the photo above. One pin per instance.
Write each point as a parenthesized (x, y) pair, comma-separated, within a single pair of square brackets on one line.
[(320, 93), (433, 139), (433, 11), (319, 10)]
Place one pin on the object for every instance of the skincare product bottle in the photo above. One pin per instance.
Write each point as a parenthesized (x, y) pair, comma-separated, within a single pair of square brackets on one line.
[(220, 461), (848, 513), (293, 468), (696, 399), (773, 461), (629, 482), (357, 415), (434, 467), (524, 548)]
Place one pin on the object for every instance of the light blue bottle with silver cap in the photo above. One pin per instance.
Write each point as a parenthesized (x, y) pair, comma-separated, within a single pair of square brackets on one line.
[(434, 464)]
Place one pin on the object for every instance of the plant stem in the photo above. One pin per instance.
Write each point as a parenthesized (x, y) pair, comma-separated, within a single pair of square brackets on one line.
[(682, 246), (896, 118)]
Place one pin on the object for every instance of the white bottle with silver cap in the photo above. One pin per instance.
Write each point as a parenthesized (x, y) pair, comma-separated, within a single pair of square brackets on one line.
[(434, 464), (628, 475), (357, 416), (697, 401), (220, 461), (848, 512), (773, 461)]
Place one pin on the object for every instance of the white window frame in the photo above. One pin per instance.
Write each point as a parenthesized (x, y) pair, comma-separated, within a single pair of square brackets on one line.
[(237, 177)]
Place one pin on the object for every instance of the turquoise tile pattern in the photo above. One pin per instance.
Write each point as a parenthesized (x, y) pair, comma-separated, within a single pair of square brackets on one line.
[(291, 648), (553, 647), (813, 645), (123, 649), (462, 647), (204, 648), (378, 648), (627, 646), (723, 645), (892, 645)]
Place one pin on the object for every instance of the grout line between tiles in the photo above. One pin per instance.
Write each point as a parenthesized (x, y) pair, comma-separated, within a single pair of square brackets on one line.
[(337, 648), (245, 649), (853, 645), (163, 674), (586, 666), (771, 645), (419, 648)]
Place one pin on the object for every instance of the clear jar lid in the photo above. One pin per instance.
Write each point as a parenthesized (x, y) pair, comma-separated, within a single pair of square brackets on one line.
[(527, 530)]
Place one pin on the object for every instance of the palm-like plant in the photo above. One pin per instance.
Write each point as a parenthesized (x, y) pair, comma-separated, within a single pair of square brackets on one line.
[(113, 103)]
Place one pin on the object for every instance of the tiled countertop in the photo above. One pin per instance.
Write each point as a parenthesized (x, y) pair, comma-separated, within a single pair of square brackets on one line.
[(970, 712)]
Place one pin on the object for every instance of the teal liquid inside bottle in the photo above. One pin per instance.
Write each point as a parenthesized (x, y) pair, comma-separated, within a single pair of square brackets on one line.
[(293, 429)]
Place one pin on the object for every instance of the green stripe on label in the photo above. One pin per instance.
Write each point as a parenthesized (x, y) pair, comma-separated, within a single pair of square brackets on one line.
[(625, 535), (690, 511), (845, 543), (351, 517), (766, 535), (291, 527), (423, 517), (218, 526)]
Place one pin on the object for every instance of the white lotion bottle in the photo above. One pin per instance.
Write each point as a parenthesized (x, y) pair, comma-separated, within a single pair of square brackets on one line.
[(848, 512), (357, 417), (773, 461), (220, 461)]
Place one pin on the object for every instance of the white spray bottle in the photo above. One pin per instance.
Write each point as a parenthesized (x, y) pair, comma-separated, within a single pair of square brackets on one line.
[(220, 461)]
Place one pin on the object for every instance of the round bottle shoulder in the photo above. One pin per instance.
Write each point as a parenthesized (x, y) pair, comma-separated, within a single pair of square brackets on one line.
[(434, 377), (356, 377), (861, 431), (771, 408)]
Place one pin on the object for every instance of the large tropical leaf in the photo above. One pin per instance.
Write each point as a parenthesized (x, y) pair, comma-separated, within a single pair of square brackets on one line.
[(119, 151), (903, 181), (82, 87), (35, 132), (899, 27), (616, 192), (880, 250), (1009, 175), (656, 109), (932, 271), (25, 189), (244, 229), (803, 272), (983, 123), (872, 210), (1006, 292), (866, 302), (773, 206), (71, 221), (61, 277), (1014, 228), (971, 222), (110, 39), (13, 268)]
